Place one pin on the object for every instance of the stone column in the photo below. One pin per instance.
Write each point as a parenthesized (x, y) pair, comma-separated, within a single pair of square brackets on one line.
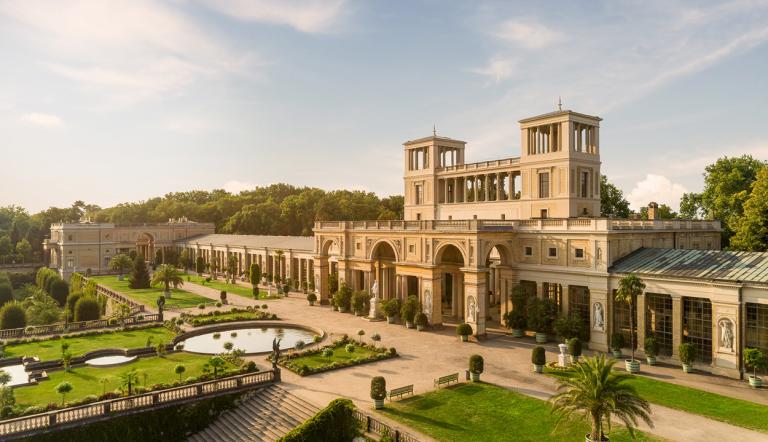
[(321, 278), (445, 191), (677, 324), (486, 187), (474, 188), (640, 314), (398, 286)]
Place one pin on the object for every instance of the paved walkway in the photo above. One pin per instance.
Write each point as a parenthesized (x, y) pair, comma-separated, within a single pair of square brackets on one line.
[(428, 355)]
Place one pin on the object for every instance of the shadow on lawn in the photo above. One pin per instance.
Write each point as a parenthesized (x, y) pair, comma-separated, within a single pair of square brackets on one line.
[(418, 418)]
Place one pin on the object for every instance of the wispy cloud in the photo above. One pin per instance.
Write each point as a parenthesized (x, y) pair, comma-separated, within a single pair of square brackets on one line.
[(309, 16), (42, 120), (498, 69), (527, 34)]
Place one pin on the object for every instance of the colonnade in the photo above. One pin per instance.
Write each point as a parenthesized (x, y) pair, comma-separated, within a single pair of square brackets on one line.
[(490, 186)]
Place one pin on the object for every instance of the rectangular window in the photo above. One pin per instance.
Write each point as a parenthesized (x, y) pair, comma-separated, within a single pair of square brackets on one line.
[(756, 335), (544, 213), (579, 253), (418, 217), (528, 251), (358, 246), (552, 252), (584, 184), (412, 248), (553, 292), (70, 263), (419, 191), (658, 321), (621, 320), (544, 185), (578, 305), (697, 326)]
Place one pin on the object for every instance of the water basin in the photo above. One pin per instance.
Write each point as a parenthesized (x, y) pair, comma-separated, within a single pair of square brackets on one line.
[(249, 339), (110, 360), (19, 375)]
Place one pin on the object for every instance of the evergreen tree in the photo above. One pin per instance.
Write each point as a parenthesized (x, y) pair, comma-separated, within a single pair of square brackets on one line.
[(139, 279), (255, 277), (199, 265)]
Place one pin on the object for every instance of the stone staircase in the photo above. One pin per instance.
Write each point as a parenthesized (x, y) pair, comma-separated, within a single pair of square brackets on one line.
[(264, 417)]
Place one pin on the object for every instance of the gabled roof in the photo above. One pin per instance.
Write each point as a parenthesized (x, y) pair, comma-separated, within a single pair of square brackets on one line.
[(298, 243), (697, 264)]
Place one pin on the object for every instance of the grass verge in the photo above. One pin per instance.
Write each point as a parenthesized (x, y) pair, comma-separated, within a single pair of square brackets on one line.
[(179, 298)]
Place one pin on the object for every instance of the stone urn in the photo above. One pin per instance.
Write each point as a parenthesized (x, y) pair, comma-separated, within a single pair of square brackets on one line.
[(464, 338), (632, 365), (420, 327), (616, 353), (409, 324)]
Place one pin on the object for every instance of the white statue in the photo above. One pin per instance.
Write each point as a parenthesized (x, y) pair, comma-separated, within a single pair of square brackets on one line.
[(597, 314), (471, 310), (726, 334), (374, 301), (427, 302), (375, 289)]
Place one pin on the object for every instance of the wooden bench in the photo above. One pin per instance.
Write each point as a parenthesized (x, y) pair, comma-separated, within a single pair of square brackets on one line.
[(446, 379), (399, 392)]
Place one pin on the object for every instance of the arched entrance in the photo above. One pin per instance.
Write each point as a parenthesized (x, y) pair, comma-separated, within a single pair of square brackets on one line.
[(145, 246), (383, 260), (449, 261), (498, 281)]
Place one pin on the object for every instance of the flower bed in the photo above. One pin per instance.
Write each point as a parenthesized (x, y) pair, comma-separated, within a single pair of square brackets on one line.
[(313, 361), (218, 317)]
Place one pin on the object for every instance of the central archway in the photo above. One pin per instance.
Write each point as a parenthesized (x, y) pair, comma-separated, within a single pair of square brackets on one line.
[(383, 258), (145, 246), (450, 260), (498, 259)]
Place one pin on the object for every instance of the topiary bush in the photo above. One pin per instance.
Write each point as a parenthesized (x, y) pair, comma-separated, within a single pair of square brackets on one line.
[(651, 347), (12, 315), (617, 341), (360, 301), (422, 320), (687, 353), (409, 309), (87, 309), (392, 307), (574, 347), (60, 291), (538, 356), (476, 364), (72, 300), (378, 388), (464, 329), (6, 292)]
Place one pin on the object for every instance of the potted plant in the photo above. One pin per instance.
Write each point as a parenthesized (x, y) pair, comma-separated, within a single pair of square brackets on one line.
[(421, 321), (687, 353), (223, 297), (538, 358), (541, 313), (516, 321), (409, 310), (651, 350), (568, 327), (378, 391), (391, 309), (359, 301), (464, 330), (574, 349), (311, 298), (597, 392), (630, 287), (754, 359), (617, 342), (345, 298), (336, 301), (476, 365)]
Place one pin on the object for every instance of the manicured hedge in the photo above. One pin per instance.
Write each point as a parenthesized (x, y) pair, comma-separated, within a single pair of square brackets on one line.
[(334, 423), (380, 353), (217, 316)]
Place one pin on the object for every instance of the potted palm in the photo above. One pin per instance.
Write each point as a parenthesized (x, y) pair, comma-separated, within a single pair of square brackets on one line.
[(391, 309), (464, 330), (574, 349), (476, 365), (651, 350), (409, 310), (378, 391), (421, 321), (754, 359), (311, 298), (516, 321), (345, 298), (594, 390), (630, 287), (617, 342), (687, 353), (538, 359), (167, 275)]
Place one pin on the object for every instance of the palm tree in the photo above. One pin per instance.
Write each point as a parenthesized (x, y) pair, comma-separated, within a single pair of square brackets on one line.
[(167, 275), (104, 382), (216, 363), (129, 379), (120, 262), (592, 386), (630, 287)]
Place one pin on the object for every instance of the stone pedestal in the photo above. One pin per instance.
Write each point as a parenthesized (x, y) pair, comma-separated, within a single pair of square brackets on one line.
[(562, 358), (373, 313)]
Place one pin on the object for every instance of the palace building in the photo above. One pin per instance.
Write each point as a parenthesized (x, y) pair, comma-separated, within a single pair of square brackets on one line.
[(473, 231)]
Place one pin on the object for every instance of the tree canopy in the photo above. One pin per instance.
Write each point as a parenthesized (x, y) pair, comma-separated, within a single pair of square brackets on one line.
[(612, 201)]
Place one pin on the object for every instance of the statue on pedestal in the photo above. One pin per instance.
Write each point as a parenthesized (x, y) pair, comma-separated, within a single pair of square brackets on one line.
[(374, 301)]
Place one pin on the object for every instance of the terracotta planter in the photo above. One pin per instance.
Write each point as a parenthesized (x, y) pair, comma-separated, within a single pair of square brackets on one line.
[(651, 360), (464, 338), (632, 365), (755, 381), (687, 368), (475, 377), (538, 368), (517, 333), (391, 319), (378, 403), (541, 338)]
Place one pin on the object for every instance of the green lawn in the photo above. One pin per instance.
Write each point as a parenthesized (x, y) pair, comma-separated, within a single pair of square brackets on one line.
[(485, 412), (179, 298), (86, 380), (340, 355), (220, 285), (691, 400), (51, 349)]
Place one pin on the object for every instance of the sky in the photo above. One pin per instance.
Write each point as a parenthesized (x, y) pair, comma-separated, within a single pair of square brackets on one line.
[(116, 101)]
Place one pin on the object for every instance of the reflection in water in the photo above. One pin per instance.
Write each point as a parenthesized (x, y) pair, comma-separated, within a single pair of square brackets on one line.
[(250, 340), (19, 376)]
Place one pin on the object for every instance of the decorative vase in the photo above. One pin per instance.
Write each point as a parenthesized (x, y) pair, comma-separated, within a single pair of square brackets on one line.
[(464, 338), (538, 368), (378, 403), (755, 381), (651, 360), (390, 319), (687, 368), (475, 377), (632, 365), (541, 338), (517, 333), (616, 353)]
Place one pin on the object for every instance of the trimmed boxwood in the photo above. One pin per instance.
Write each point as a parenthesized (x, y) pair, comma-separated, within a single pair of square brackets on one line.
[(380, 353), (651, 346), (574, 347), (538, 356), (422, 320), (409, 309), (12, 315), (617, 341), (392, 307), (87, 309), (378, 388), (464, 329), (334, 423), (60, 291), (687, 353), (476, 364), (216, 316)]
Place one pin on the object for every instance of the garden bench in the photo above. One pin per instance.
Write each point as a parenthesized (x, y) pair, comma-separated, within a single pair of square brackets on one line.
[(446, 379), (399, 392)]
